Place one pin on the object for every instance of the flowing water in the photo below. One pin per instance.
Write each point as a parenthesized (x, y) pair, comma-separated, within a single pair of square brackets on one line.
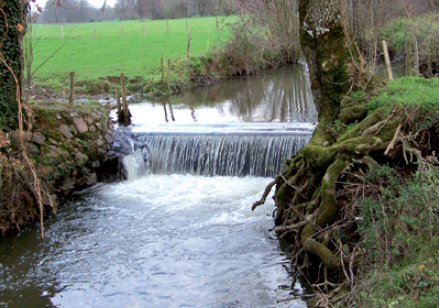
[(179, 231)]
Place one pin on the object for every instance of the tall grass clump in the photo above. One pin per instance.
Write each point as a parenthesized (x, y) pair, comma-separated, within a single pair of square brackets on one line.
[(249, 50), (243, 54), (400, 239), (266, 35)]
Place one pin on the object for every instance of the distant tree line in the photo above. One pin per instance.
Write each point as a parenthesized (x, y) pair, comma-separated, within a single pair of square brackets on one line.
[(74, 11), (366, 18)]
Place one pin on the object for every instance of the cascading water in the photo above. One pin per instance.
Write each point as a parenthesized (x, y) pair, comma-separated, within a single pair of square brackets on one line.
[(179, 232), (213, 154)]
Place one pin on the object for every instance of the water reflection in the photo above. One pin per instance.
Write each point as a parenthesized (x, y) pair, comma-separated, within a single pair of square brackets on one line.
[(280, 96), (24, 283)]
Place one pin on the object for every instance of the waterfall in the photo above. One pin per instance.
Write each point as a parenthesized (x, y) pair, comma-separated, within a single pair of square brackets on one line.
[(135, 166), (236, 154)]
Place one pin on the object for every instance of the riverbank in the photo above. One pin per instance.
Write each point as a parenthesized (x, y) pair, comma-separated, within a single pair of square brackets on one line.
[(67, 147), (378, 243)]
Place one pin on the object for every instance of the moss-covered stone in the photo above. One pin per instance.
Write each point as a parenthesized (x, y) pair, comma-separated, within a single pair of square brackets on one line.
[(64, 159)]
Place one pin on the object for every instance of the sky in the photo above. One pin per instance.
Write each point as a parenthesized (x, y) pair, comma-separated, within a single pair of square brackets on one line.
[(95, 3)]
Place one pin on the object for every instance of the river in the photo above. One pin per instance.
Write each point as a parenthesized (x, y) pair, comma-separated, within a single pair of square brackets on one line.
[(179, 231)]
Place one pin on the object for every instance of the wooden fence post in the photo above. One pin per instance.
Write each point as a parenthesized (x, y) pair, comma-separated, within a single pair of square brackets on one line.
[(126, 111), (188, 44), (386, 57), (417, 57), (408, 60), (72, 88), (217, 27), (119, 107)]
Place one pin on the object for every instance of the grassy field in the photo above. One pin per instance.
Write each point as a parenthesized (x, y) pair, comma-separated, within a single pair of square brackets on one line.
[(102, 49)]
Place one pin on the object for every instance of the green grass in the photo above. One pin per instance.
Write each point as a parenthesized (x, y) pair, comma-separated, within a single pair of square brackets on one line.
[(109, 54), (408, 91)]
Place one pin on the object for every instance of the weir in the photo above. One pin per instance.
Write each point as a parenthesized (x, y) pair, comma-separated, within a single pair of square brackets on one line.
[(236, 154)]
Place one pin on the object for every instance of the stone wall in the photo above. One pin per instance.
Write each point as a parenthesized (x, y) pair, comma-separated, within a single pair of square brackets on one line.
[(69, 150), (69, 146)]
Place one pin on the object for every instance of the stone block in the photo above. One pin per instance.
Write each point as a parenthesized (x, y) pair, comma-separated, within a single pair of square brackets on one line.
[(81, 158), (66, 131), (80, 124), (38, 138), (92, 179)]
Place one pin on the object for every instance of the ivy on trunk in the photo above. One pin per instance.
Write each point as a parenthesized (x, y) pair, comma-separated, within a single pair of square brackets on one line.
[(12, 28)]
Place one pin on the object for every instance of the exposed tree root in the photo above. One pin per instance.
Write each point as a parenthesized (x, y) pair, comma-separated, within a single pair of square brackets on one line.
[(19, 205), (316, 195)]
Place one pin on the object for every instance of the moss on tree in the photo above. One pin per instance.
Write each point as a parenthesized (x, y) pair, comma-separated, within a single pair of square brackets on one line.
[(311, 213)]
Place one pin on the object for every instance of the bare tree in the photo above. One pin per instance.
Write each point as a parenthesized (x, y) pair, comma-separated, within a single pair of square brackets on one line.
[(124, 9), (141, 7)]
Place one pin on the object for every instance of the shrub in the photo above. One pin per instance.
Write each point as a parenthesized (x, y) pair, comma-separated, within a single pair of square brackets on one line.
[(400, 239)]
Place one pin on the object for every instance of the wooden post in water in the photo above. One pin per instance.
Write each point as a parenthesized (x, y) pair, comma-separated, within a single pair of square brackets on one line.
[(167, 26), (126, 111), (167, 75), (171, 110), (119, 107), (188, 44), (72, 88), (163, 69), (387, 59)]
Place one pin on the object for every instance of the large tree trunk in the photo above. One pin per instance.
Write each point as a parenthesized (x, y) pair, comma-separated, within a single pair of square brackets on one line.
[(11, 32), (334, 61), (308, 183), (332, 57)]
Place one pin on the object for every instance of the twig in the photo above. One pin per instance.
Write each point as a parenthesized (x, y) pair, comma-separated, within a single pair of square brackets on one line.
[(306, 218), (392, 143), (291, 185), (50, 57), (304, 296), (265, 194), (385, 122)]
